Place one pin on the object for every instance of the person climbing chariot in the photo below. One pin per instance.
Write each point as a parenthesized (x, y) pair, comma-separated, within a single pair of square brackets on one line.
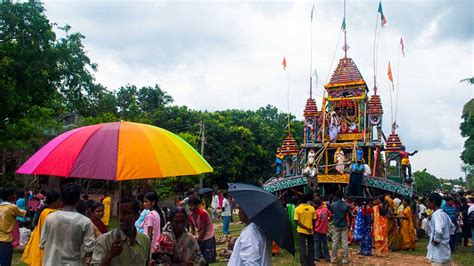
[(278, 162), (405, 162)]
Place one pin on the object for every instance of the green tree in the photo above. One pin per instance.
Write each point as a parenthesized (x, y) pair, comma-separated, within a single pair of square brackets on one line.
[(467, 131), (426, 182)]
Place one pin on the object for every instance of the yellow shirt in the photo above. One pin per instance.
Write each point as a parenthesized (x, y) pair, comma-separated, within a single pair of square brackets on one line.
[(305, 214), (8, 214)]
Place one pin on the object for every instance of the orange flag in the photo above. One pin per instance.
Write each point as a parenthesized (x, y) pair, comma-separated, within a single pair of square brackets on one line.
[(284, 63), (390, 77)]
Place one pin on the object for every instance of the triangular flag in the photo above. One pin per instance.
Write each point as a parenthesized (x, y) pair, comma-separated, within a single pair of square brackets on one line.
[(402, 46), (312, 11), (390, 77), (343, 26), (383, 19), (284, 63)]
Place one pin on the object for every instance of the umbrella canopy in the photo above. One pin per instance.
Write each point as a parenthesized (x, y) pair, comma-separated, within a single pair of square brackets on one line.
[(204, 190), (116, 151), (265, 210)]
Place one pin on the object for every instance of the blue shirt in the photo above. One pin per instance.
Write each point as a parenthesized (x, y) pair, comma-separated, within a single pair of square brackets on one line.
[(339, 210), (141, 219), (451, 212), (357, 168), (21, 203)]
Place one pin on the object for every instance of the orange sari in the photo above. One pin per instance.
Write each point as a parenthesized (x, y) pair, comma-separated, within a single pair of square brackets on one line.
[(380, 233), (33, 255), (407, 229)]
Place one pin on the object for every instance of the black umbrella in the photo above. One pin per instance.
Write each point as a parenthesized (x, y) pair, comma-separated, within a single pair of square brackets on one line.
[(266, 211), (204, 190)]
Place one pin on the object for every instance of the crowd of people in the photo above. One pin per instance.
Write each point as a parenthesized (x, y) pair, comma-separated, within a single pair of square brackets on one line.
[(382, 224), (65, 229)]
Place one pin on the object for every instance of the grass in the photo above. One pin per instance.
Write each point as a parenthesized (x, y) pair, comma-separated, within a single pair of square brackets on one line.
[(463, 256)]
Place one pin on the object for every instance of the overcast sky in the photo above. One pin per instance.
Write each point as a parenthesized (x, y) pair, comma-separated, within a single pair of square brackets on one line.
[(216, 55)]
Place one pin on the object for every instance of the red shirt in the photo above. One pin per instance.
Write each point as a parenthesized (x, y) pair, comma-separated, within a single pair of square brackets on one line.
[(202, 219), (322, 220)]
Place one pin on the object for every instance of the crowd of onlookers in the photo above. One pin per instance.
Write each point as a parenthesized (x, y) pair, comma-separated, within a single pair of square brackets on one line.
[(56, 228), (382, 224)]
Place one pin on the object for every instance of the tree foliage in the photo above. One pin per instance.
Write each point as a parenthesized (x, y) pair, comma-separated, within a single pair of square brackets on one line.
[(426, 182)]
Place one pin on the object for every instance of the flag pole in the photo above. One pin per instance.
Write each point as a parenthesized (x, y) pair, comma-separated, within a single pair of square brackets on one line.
[(375, 54), (391, 101), (398, 86), (288, 100), (311, 55)]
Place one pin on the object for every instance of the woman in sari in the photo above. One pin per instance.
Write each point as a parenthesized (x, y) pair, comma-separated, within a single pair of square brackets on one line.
[(106, 202), (380, 227), (96, 215), (176, 245), (407, 228), (33, 255), (366, 241), (393, 229)]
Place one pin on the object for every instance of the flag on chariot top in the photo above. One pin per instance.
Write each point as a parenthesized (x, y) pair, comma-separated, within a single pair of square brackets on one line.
[(312, 11), (390, 77), (343, 26), (402, 46), (284, 63), (383, 19)]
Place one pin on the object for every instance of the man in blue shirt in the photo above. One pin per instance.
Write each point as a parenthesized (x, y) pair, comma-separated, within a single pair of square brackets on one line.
[(355, 182), (452, 213), (21, 203), (340, 211)]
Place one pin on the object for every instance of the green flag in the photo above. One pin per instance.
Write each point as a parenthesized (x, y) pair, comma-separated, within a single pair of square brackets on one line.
[(343, 26)]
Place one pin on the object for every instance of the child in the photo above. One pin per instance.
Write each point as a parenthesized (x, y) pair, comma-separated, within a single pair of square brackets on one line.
[(320, 231)]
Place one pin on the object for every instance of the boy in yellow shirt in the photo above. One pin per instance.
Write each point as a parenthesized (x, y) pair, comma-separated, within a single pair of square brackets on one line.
[(8, 214), (304, 217)]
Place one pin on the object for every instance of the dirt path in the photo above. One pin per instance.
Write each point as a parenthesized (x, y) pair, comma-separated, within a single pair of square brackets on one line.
[(393, 258)]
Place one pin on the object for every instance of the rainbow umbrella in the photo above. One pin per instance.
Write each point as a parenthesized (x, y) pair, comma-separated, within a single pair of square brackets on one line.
[(116, 151)]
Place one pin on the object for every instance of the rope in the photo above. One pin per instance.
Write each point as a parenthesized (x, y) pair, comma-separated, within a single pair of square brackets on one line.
[(333, 56)]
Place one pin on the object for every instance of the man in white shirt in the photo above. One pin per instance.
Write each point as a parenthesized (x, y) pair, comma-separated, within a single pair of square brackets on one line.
[(439, 230), (226, 214), (252, 247), (69, 230), (214, 204), (422, 210)]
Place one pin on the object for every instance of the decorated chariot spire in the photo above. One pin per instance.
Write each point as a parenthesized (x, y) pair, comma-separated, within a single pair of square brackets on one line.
[(343, 27)]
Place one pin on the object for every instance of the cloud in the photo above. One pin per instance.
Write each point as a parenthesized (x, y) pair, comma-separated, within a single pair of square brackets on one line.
[(221, 55)]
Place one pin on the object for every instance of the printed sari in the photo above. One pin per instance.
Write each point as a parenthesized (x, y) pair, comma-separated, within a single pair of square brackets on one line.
[(393, 229), (380, 233)]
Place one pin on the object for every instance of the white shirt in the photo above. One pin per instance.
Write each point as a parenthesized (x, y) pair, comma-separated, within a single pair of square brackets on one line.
[(422, 210), (226, 208), (424, 224), (439, 230), (397, 202), (471, 209), (215, 202), (367, 171), (64, 235), (252, 247)]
